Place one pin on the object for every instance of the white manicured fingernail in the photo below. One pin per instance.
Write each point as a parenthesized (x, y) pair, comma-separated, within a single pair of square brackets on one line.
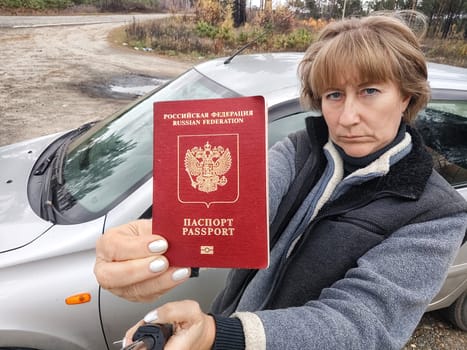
[(123, 343), (157, 265), (158, 246), (151, 316), (180, 274)]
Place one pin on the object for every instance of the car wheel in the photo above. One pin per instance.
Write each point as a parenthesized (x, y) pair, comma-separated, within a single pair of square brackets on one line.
[(457, 312)]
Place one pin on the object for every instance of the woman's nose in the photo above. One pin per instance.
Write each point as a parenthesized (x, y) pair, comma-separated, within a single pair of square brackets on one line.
[(349, 114)]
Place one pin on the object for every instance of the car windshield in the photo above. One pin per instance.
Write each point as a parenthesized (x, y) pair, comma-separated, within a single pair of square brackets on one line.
[(116, 155)]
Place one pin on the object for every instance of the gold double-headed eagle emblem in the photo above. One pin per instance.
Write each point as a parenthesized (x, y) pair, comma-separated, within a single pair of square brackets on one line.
[(206, 166)]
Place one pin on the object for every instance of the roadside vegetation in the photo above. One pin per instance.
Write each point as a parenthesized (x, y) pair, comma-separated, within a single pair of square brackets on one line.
[(47, 6), (209, 31), (201, 29), (212, 28)]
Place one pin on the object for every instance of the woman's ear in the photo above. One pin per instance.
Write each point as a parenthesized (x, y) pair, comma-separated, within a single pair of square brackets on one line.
[(405, 103)]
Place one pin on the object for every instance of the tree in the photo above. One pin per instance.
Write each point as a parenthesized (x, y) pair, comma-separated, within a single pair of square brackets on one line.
[(239, 12), (315, 8), (352, 7), (452, 14), (383, 5), (444, 15)]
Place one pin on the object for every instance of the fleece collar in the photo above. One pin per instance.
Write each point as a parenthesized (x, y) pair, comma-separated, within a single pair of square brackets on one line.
[(406, 178)]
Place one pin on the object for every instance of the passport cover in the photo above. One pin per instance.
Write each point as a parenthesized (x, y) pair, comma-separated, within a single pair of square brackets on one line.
[(210, 181)]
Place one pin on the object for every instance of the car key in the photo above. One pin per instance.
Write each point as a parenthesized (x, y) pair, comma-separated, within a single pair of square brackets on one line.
[(150, 337)]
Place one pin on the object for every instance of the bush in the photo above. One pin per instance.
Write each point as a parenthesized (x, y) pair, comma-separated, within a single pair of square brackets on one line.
[(452, 52), (135, 31), (206, 30), (36, 4), (193, 35), (315, 24), (298, 40), (127, 5), (58, 4), (108, 5), (281, 20), (175, 35), (210, 11)]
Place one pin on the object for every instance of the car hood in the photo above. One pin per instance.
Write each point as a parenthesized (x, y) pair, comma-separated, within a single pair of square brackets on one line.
[(442, 76), (275, 75), (19, 225)]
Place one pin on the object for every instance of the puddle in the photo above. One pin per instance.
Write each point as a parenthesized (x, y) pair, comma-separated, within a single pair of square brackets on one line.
[(132, 90), (134, 85), (125, 87)]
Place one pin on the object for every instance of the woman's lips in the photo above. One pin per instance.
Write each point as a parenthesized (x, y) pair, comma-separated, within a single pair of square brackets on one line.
[(353, 137)]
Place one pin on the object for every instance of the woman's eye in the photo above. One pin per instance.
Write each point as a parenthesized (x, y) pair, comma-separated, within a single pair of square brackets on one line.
[(333, 95), (370, 91)]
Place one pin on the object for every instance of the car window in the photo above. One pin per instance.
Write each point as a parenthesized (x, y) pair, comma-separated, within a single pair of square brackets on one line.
[(281, 128), (116, 155), (443, 125)]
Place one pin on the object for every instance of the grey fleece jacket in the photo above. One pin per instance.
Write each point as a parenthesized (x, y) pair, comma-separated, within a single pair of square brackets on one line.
[(380, 301)]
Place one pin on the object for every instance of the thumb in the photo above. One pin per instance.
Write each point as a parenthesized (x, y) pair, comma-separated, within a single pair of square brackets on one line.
[(192, 329), (186, 311)]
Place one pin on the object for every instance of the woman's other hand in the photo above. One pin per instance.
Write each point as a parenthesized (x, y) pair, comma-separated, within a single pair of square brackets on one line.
[(130, 263), (192, 328)]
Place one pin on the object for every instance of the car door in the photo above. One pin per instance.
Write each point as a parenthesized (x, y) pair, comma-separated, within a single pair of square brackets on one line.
[(443, 125)]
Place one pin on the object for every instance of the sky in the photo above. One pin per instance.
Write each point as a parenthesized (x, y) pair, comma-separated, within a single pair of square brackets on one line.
[(251, 3)]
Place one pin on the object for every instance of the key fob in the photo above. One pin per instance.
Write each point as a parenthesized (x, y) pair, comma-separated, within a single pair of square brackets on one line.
[(154, 336)]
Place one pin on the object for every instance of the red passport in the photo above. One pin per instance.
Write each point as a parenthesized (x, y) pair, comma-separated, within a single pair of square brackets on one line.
[(210, 181)]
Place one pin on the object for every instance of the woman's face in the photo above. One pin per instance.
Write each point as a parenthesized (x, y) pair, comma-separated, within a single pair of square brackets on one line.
[(363, 118)]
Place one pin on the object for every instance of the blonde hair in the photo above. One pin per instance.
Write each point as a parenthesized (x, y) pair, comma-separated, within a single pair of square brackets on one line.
[(377, 48)]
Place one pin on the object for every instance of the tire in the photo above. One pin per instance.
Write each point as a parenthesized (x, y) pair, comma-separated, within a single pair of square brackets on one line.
[(457, 312)]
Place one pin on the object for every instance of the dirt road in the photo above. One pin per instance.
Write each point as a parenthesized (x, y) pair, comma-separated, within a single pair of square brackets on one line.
[(53, 78)]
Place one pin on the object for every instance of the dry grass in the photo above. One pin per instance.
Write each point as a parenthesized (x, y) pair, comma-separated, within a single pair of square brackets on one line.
[(448, 51), (190, 37)]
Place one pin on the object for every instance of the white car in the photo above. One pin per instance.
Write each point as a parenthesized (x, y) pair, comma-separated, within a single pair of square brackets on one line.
[(59, 193)]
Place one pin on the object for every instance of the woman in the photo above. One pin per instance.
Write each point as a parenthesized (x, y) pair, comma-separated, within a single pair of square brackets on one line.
[(363, 230)]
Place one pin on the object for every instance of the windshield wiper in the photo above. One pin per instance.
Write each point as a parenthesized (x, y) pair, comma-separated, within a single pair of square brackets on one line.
[(54, 173), (60, 150), (48, 211), (59, 161)]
